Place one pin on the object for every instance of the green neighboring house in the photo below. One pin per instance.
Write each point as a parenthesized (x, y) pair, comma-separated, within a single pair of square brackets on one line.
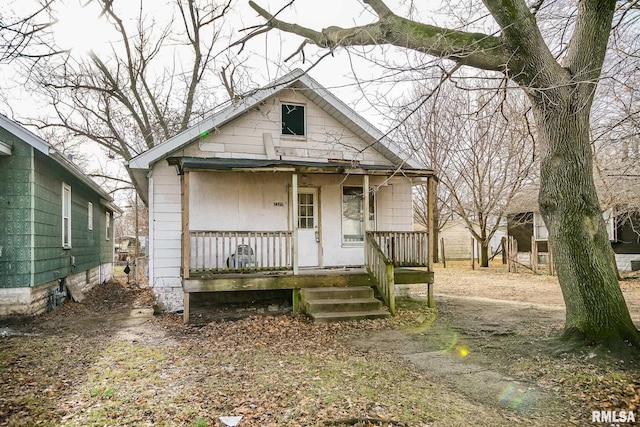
[(56, 225)]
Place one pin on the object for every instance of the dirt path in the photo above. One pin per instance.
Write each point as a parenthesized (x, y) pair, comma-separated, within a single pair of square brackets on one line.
[(453, 352)]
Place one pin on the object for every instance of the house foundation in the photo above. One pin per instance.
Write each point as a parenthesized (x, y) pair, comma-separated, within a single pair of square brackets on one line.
[(32, 301)]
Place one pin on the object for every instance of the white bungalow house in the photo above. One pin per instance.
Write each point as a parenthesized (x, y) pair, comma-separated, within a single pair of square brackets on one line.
[(271, 193)]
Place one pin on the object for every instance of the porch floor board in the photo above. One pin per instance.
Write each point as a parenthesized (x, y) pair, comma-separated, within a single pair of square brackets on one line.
[(306, 278)]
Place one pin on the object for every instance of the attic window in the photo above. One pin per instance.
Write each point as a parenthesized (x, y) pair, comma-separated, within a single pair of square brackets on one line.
[(293, 122)]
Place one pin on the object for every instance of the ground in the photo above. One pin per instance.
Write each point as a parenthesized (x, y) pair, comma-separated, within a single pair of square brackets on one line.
[(486, 358)]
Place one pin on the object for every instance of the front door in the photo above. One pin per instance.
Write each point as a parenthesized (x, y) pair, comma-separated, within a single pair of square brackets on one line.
[(308, 231)]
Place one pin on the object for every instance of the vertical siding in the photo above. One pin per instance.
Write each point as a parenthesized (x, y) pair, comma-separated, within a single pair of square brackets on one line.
[(15, 214)]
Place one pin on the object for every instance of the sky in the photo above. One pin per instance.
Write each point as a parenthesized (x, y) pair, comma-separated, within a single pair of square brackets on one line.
[(79, 28)]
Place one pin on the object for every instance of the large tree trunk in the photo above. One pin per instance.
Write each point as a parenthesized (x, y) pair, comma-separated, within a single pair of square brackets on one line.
[(596, 309)]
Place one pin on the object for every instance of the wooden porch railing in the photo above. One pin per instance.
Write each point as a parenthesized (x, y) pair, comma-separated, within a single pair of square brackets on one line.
[(404, 248), (380, 268), (239, 251)]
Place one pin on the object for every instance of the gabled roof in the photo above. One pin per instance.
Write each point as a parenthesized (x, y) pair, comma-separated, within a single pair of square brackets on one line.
[(45, 148), (296, 79)]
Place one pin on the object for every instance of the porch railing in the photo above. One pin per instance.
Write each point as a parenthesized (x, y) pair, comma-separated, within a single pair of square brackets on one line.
[(404, 248), (380, 269), (239, 251)]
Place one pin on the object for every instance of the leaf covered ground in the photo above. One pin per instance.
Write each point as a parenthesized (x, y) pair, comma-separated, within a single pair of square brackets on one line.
[(102, 364)]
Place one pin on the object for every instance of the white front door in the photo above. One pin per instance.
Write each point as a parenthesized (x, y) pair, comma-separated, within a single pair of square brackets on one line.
[(308, 237)]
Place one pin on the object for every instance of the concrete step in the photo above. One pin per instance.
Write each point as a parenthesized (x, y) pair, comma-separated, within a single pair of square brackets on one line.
[(342, 293), (343, 305), (352, 315)]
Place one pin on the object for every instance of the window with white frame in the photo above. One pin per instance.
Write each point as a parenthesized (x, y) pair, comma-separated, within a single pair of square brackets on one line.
[(66, 215), (352, 214), (108, 225), (293, 120), (540, 231), (90, 216), (609, 216)]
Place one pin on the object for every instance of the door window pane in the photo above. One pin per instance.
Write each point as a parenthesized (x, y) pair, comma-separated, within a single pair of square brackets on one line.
[(305, 210)]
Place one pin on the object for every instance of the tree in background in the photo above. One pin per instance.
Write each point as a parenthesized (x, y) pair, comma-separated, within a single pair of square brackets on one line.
[(480, 146), (559, 76), (150, 80), (26, 36)]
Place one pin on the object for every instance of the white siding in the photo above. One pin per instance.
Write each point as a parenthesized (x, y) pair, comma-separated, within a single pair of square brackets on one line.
[(325, 139), (250, 201), (394, 206), (624, 261), (457, 240), (165, 236), (223, 201)]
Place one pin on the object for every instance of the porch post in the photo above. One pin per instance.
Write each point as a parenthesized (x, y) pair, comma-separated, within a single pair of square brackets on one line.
[(365, 190), (294, 220), (431, 224), (186, 243), (431, 228)]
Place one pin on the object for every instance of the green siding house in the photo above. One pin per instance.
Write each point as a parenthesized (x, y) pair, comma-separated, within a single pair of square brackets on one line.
[(56, 225)]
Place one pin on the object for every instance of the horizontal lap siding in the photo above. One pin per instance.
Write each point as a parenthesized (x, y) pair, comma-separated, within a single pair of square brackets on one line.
[(326, 137), (242, 201), (166, 227), (395, 206), (457, 239)]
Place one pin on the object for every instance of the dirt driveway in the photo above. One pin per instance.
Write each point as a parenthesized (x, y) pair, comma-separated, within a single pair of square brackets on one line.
[(530, 289)]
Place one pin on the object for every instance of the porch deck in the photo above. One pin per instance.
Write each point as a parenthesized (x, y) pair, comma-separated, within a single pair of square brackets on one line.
[(306, 278), (221, 261)]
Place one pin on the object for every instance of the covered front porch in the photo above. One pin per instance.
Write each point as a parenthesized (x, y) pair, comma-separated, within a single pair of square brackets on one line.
[(404, 260), (317, 235)]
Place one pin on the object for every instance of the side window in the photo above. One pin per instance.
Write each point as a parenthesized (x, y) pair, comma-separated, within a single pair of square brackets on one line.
[(609, 216), (352, 214), (293, 120), (66, 216), (540, 231), (90, 216)]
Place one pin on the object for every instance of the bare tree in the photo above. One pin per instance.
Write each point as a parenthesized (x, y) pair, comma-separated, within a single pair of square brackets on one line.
[(559, 73), (26, 36), (479, 144), (150, 84)]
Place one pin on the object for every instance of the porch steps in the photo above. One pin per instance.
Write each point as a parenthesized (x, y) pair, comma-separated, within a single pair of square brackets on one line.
[(336, 304)]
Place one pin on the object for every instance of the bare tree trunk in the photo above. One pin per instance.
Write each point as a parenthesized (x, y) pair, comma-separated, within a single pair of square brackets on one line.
[(596, 309), (484, 254)]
